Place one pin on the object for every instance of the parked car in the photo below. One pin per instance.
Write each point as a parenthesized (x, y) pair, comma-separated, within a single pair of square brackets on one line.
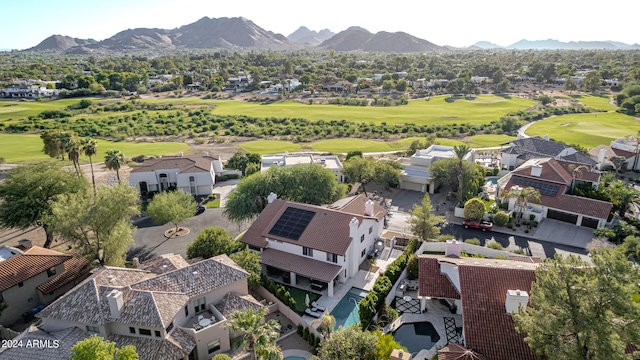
[(200, 209), (477, 224)]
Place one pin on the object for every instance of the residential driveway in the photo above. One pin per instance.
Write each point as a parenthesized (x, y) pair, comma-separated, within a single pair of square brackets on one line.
[(404, 200), (560, 232), (224, 189)]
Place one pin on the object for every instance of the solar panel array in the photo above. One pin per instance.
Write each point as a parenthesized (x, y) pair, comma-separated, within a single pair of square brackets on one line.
[(543, 187), (292, 223)]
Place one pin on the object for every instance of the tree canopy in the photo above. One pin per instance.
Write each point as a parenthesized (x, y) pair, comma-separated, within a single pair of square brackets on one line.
[(255, 334), (97, 348), (348, 343), (29, 192), (364, 170), (445, 171), (580, 310), (250, 262), (474, 209), (240, 160), (305, 183), (422, 222), (212, 241), (172, 207)]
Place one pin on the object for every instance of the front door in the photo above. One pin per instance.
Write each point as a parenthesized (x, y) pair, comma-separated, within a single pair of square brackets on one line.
[(143, 187)]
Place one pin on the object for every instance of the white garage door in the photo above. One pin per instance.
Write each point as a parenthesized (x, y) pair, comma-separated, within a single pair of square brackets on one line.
[(408, 185)]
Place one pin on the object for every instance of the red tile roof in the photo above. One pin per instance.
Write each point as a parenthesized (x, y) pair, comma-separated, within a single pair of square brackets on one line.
[(356, 205), (610, 152), (76, 268), (314, 269), (432, 282), (184, 164), (558, 171), (488, 329), (458, 352), (20, 268)]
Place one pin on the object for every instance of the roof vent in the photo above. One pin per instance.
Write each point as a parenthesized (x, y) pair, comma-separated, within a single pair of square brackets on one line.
[(546, 137), (488, 264), (271, 198)]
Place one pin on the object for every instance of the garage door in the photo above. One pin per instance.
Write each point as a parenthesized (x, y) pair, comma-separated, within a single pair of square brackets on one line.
[(590, 222), (562, 216), (409, 185)]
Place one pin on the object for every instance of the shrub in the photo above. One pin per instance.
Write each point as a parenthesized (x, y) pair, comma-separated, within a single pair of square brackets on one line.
[(445, 237), (518, 251), (501, 218), (510, 226), (472, 241), (221, 357), (532, 217), (300, 329), (495, 245), (305, 334), (474, 209)]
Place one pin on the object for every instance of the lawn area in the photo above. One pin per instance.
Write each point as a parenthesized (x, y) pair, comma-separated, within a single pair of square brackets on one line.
[(212, 204), (346, 145), (11, 109), (488, 140), (595, 101), (18, 148), (589, 130), (299, 296), (270, 146), (482, 110)]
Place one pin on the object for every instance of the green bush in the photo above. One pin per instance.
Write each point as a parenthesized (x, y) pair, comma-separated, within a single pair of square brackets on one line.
[(500, 218), (474, 209), (472, 241), (305, 334), (495, 245), (445, 237), (300, 329), (221, 357)]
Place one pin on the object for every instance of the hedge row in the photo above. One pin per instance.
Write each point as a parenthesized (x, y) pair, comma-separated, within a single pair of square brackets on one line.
[(278, 290)]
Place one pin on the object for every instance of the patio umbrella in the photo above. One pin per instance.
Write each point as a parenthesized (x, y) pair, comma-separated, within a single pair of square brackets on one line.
[(306, 300)]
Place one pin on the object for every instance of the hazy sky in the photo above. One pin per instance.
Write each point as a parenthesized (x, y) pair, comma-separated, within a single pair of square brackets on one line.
[(458, 23)]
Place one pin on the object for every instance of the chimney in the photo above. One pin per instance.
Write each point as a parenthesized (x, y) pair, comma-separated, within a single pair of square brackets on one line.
[(546, 137), (206, 154), (116, 303), (271, 198), (514, 299), (601, 155), (26, 243), (135, 262), (181, 154), (519, 136), (536, 170), (453, 248), (368, 208), (353, 228), (398, 354)]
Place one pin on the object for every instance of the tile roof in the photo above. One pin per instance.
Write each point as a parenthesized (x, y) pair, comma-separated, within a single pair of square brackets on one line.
[(66, 339), (356, 205), (328, 231), (488, 329), (610, 152), (164, 263), (554, 170), (232, 302), (177, 345), (184, 164), (432, 282), (536, 147), (21, 267), (302, 265), (579, 157), (458, 352), (75, 268)]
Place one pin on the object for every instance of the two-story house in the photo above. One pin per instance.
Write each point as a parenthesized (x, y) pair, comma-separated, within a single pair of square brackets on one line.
[(177, 314), (624, 148), (523, 149), (415, 175), (35, 278), (193, 174), (315, 247), (331, 162)]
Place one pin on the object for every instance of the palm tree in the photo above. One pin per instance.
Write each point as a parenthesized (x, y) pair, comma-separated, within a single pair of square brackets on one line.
[(90, 148), (271, 351), (73, 149), (622, 195), (461, 151), (575, 171), (325, 324), (113, 160), (63, 140), (523, 196), (255, 333)]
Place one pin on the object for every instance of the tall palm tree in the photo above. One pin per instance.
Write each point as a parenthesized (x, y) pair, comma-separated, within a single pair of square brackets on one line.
[(90, 148), (73, 149), (523, 196), (63, 140), (113, 160), (255, 333), (575, 171), (460, 151), (326, 323)]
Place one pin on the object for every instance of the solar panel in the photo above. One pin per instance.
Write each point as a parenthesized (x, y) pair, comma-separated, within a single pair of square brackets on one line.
[(543, 187), (292, 223)]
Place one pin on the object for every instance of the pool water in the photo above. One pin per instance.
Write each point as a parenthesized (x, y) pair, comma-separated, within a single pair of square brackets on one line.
[(346, 312), (493, 180), (416, 336)]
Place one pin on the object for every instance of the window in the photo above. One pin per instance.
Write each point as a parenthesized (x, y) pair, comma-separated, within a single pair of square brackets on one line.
[(362, 238), (51, 272), (199, 304), (307, 251), (364, 251), (157, 332), (93, 329), (30, 300), (132, 330), (20, 284), (370, 229), (192, 185), (213, 346), (169, 328), (1, 297), (332, 257), (186, 310), (145, 332)]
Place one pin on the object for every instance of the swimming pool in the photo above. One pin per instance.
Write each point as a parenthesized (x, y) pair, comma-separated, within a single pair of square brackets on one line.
[(416, 336), (493, 180), (346, 312)]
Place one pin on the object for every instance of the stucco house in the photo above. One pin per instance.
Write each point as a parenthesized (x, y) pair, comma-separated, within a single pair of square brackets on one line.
[(331, 162), (177, 314), (193, 174), (518, 151), (416, 176), (625, 148), (554, 179), (315, 247), (35, 278)]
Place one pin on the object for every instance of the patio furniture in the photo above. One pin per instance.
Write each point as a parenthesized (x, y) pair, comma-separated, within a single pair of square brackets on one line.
[(204, 322), (317, 286), (200, 317), (317, 306), (312, 313)]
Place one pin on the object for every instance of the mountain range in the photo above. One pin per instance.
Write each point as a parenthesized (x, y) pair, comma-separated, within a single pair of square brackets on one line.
[(240, 33)]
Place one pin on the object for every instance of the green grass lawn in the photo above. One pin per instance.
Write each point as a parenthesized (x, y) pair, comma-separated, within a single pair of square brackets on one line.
[(270, 146), (212, 204), (482, 110), (18, 148), (299, 296), (11, 109), (589, 130), (595, 101), (346, 145)]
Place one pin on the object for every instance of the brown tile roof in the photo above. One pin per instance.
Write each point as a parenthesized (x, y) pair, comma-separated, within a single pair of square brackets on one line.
[(488, 329), (164, 263), (301, 265), (22, 267), (327, 231), (610, 152), (490, 263), (75, 268), (177, 345), (356, 205), (458, 352), (231, 303), (66, 339), (432, 282), (184, 164)]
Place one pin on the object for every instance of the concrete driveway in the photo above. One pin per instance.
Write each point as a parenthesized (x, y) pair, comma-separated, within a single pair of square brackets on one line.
[(404, 200), (560, 232)]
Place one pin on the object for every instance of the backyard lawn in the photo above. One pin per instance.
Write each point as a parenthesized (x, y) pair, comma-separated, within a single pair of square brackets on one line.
[(299, 295)]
